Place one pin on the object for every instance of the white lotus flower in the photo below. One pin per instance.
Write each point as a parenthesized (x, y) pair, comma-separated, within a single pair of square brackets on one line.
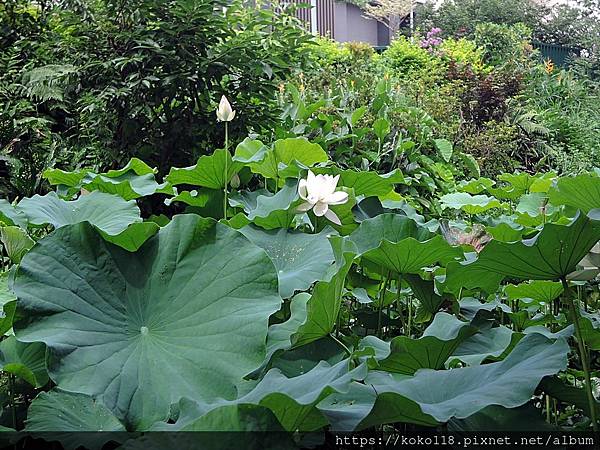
[(319, 193), (224, 111)]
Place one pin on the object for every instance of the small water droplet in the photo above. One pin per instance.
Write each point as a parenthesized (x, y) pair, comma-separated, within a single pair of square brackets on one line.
[(144, 330)]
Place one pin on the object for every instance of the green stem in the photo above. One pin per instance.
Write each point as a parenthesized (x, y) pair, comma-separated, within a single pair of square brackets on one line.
[(381, 300), (398, 304), (409, 301), (346, 349), (583, 355), (13, 406), (226, 172)]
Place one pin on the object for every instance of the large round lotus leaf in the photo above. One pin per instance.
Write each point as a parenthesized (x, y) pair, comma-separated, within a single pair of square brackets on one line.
[(185, 315), (109, 213), (581, 192)]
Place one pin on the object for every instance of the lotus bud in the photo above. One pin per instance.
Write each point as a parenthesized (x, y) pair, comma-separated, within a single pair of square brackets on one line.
[(235, 181), (224, 111)]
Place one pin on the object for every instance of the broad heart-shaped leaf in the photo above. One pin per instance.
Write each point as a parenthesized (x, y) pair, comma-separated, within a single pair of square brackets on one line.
[(300, 258), (65, 415), (539, 291), (581, 192), (286, 151), (366, 183), (471, 204), (9, 215), (405, 355), (397, 243), (26, 361), (185, 315), (432, 396), (107, 212), (292, 400), (16, 242), (133, 181), (551, 254), (208, 172)]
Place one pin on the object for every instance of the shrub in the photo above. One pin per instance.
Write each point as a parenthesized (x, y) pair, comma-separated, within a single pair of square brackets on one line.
[(406, 58), (503, 43), (463, 52), (144, 79), (494, 146)]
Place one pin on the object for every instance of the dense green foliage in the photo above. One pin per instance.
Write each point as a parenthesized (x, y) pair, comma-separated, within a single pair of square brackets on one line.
[(318, 323), (110, 80), (489, 98)]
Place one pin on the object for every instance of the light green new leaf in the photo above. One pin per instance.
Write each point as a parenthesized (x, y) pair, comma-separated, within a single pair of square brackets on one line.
[(381, 128), (368, 183), (135, 180), (107, 212), (16, 242), (432, 396), (471, 204), (208, 172), (184, 316), (445, 147), (67, 416), (581, 192), (59, 177), (300, 258), (286, 151), (250, 151), (539, 291), (24, 360)]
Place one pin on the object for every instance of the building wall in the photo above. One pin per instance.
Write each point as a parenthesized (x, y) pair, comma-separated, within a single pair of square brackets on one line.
[(351, 25), (343, 22)]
